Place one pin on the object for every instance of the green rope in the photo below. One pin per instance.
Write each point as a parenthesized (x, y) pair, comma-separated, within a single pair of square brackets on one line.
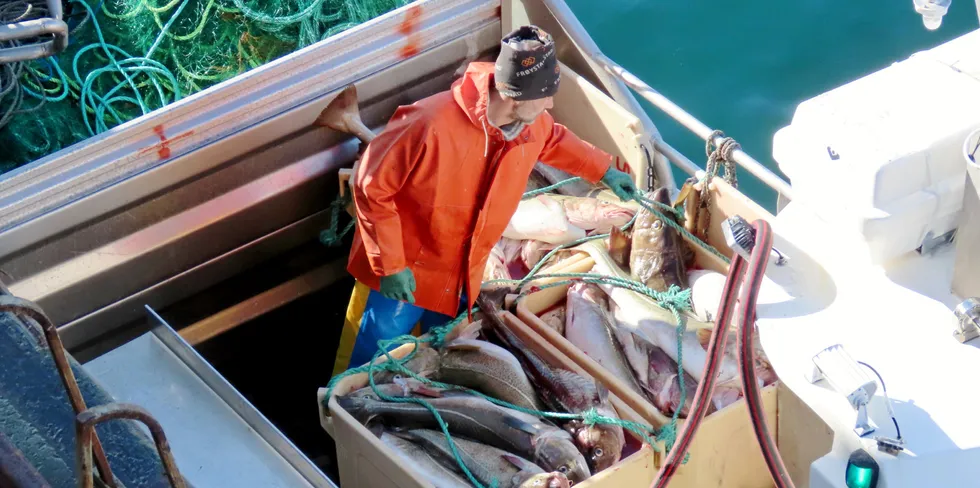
[(330, 237), (437, 336), (132, 57), (676, 212), (539, 191)]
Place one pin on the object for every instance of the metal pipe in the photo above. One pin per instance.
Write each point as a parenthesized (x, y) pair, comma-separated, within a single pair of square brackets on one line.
[(619, 92), (19, 306), (693, 124), (679, 159), (52, 25), (86, 421)]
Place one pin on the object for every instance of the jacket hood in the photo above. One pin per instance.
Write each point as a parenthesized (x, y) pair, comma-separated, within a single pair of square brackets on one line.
[(472, 91)]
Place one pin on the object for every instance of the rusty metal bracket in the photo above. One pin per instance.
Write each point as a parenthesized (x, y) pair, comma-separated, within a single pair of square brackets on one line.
[(30, 310), (15, 470), (85, 424)]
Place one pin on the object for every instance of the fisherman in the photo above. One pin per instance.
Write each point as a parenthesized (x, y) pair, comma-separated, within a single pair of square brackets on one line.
[(436, 189)]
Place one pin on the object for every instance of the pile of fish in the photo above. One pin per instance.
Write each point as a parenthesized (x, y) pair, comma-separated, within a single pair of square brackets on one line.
[(500, 444), (629, 334)]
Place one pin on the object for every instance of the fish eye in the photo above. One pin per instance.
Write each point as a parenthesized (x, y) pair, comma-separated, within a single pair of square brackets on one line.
[(563, 469), (597, 452), (657, 225)]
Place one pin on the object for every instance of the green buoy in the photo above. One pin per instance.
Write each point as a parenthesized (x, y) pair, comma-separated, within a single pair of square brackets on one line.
[(862, 470)]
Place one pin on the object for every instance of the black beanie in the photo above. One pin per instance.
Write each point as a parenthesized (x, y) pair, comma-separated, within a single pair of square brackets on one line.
[(525, 69)]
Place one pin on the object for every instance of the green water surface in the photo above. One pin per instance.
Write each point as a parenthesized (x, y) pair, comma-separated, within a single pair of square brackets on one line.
[(743, 67)]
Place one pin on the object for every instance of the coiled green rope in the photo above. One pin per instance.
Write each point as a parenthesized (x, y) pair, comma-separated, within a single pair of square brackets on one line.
[(128, 58)]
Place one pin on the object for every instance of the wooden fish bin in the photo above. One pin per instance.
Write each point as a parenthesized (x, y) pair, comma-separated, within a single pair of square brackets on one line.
[(365, 462), (724, 452)]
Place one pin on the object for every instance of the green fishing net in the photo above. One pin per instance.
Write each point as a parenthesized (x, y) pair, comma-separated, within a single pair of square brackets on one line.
[(130, 57)]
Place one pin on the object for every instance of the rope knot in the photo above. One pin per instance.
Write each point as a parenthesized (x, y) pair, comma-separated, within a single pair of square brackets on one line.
[(676, 299), (592, 416), (668, 435), (720, 153), (439, 333)]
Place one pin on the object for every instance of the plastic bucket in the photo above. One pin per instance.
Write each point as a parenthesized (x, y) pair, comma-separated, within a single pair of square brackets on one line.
[(966, 273)]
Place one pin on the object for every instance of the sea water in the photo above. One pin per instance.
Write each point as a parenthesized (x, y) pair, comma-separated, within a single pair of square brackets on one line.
[(744, 66)]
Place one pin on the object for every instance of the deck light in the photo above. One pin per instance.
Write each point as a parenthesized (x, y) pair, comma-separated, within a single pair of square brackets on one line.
[(847, 377), (932, 11)]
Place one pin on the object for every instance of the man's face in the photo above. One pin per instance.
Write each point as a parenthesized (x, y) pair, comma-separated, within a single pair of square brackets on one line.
[(528, 110)]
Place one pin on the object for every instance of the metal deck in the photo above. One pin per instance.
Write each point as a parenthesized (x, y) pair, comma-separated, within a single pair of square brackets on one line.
[(218, 437)]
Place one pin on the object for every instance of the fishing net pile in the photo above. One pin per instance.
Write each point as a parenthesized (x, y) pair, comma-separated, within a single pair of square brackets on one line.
[(472, 403), (126, 58)]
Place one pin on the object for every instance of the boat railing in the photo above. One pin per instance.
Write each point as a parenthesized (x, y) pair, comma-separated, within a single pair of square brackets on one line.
[(739, 156)]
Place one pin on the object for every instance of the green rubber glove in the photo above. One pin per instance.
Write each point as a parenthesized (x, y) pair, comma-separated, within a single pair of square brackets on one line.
[(399, 286), (620, 183)]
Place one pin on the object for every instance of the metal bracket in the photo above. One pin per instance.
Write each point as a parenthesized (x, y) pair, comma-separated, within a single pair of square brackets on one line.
[(889, 445), (863, 424), (931, 243), (968, 318), (32, 29)]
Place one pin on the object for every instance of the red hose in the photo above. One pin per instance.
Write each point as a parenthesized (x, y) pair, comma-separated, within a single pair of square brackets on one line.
[(746, 356), (702, 397), (716, 349)]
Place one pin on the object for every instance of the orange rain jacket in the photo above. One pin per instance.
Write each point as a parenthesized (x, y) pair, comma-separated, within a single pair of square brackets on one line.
[(435, 190)]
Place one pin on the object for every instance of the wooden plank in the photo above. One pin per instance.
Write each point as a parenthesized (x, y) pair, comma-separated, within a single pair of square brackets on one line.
[(265, 302)]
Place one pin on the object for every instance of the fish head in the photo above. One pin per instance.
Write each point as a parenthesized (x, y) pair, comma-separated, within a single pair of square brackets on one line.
[(531, 475), (414, 387), (358, 407), (656, 254), (546, 480), (424, 363), (661, 231), (606, 445), (602, 444), (557, 453)]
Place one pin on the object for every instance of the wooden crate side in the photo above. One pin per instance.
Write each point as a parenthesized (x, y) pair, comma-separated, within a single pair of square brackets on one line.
[(802, 436), (725, 202), (593, 116), (725, 452)]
